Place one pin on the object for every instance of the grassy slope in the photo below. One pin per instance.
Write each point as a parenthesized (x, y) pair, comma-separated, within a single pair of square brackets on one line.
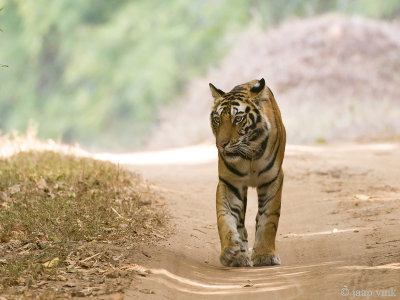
[(58, 210)]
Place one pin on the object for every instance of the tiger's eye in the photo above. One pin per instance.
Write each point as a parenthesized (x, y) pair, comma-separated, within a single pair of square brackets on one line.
[(216, 119), (238, 119)]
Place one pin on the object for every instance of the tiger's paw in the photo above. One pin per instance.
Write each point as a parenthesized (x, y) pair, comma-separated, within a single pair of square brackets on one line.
[(265, 260), (231, 257)]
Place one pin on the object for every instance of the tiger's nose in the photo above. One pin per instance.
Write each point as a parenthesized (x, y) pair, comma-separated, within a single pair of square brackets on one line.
[(223, 144)]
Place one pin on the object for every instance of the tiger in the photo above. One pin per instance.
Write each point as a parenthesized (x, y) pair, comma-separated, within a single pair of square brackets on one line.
[(251, 139)]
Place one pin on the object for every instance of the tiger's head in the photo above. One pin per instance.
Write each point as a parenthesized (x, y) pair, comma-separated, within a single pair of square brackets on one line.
[(239, 119)]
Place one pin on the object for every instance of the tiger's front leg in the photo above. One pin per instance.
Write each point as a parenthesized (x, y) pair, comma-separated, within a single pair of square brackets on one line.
[(231, 209), (269, 208)]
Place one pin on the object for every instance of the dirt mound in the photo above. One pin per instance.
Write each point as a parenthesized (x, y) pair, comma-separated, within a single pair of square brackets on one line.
[(335, 78)]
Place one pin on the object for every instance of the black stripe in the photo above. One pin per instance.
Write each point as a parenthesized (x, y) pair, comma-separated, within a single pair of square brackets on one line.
[(234, 154), (254, 124), (272, 162), (239, 88), (244, 203), (234, 190), (260, 210), (256, 134), (257, 112), (274, 214), (232, 169), (262, 148), (234, 96), (236, 211), (231, 154), (237, 93), (269, 182), (263, 202), (275, 142), (252, 118)]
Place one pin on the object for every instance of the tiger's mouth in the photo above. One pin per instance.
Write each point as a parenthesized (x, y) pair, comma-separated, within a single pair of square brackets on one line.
[(230, 152), (244, 152), (234, 150), (226, 152)]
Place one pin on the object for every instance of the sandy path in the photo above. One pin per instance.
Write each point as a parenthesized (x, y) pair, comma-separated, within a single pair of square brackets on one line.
[(328, 239)]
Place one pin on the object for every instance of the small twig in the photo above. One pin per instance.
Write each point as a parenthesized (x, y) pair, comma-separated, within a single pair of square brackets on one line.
[(387, 242), (122, 218), (159, 235), (88, 258)]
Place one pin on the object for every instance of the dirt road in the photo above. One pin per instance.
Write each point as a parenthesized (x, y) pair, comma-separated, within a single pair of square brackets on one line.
[(338, 236)]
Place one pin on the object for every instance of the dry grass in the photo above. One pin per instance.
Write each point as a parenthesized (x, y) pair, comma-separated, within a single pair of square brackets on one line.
[(62, 215)]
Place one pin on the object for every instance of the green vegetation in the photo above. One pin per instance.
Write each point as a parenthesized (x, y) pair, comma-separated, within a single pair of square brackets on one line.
[(56, 210), (96, 71), (1, 30)]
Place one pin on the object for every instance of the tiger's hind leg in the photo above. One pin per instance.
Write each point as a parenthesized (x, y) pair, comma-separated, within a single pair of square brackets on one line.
[(230, 216), (269, 207)]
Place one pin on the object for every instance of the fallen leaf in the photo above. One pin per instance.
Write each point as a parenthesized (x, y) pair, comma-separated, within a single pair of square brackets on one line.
[(4, 238), (332, 191), (62, 278), (85, 264), (41, 184), (362, 197), (70, 284), (147, 291), (72, 270), (14, 189), (112, 274), (41, 283), (21, 280), (83, 293), (159, 235), (141, 273), (4, 196), (51, 263), (144, 202)]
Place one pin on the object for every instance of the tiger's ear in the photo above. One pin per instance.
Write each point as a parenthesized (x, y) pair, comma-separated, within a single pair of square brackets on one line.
[(216, 93), (258, 87), (261, 92)]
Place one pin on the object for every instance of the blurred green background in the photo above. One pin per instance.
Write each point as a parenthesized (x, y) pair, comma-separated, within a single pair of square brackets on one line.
[(97, 71)]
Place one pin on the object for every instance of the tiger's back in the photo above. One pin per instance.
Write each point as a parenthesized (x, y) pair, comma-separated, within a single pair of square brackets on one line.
[(250, 138)]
